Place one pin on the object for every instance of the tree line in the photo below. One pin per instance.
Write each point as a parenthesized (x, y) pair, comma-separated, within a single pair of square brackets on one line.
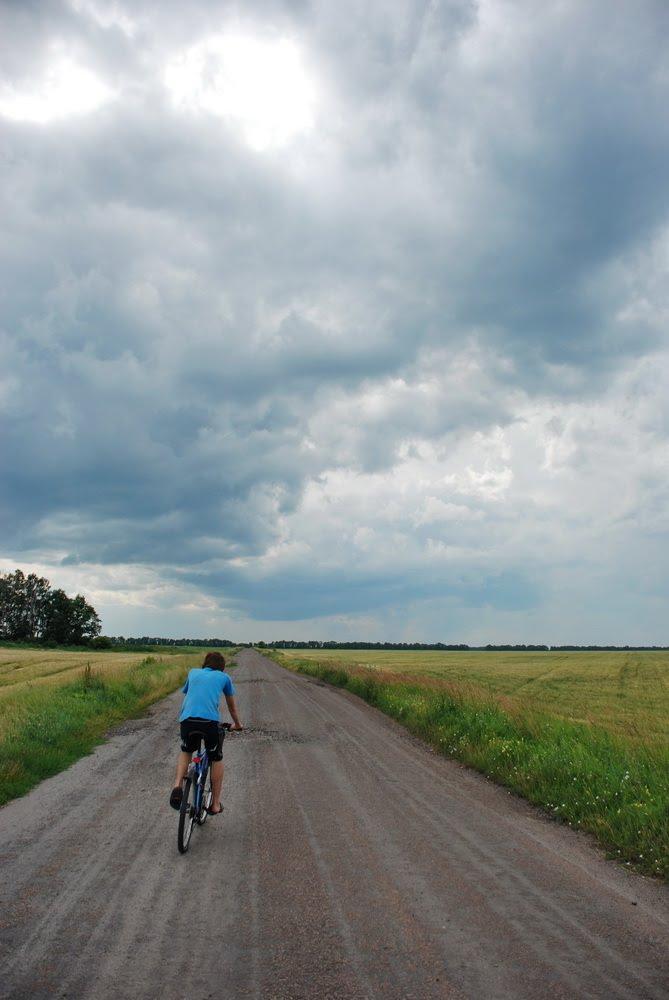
[(495, 647), (31, 610), (147, 640)]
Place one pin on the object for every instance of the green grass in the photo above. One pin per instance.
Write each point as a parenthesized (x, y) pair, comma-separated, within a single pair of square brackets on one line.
[(591, 775), (48, 722)]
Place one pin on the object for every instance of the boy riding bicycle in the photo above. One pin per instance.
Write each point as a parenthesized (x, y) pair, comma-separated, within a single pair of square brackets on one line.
[(200, 715)]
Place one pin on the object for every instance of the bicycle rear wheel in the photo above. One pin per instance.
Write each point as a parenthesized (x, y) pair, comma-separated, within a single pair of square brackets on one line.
[(186, 816), (207, 796)]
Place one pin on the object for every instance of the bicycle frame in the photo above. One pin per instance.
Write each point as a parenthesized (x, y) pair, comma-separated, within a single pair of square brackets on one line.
[(197, 771)]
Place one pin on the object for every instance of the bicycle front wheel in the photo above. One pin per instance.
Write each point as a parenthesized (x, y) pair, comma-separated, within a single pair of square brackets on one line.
[(186, 816)]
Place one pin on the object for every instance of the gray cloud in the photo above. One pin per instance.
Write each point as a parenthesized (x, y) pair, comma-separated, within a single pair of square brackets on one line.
[(433, 294)]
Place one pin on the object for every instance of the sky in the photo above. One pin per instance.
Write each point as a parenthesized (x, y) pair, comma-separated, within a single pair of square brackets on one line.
[(331, 320)]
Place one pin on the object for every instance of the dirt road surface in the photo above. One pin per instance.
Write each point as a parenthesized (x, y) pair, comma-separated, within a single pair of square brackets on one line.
[(350, 862)]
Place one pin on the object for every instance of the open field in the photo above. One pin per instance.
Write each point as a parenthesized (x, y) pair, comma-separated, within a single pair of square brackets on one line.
[(625, 692), (23, 668), (56, 705), (27, 668), (584, 736)]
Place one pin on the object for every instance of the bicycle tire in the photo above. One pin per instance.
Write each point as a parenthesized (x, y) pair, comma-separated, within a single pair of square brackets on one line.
[(207, 796), (186, 818)]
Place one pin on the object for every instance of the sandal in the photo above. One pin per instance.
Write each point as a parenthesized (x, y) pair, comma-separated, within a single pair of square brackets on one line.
[(176, 797), (217, 813)]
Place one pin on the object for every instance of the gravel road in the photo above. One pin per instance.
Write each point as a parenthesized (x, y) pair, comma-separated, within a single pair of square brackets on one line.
[(350, 862)]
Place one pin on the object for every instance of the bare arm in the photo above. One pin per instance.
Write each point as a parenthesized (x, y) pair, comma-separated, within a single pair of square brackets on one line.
[(232, 708)]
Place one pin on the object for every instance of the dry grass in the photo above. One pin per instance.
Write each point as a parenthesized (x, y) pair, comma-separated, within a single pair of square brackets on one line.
[(29, 667), (626, 693)]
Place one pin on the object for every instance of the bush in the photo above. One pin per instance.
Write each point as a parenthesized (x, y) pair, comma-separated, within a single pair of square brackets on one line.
[(101, 642)]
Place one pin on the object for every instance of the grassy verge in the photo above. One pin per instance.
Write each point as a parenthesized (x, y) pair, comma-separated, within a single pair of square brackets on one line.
[(590, 778), (44, 728)]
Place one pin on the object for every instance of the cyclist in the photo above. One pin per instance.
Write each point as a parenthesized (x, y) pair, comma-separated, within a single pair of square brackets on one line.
[(200, 714)]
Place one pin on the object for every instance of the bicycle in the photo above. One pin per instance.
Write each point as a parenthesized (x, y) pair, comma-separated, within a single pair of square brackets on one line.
[(197, 793)]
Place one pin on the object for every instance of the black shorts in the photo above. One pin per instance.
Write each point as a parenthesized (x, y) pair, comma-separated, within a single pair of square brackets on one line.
[(214, 734)]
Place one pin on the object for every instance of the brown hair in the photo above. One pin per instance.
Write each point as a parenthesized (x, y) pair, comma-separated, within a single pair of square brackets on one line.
[(214, 661)]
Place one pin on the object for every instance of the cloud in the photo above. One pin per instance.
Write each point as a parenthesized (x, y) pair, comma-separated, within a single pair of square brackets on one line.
[(399, 363)]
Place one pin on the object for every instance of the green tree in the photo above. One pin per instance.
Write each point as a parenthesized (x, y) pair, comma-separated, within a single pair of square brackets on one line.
[(37, 590), (84, 621), (69, 621), (23, 601), (57, 621), (30, 610)]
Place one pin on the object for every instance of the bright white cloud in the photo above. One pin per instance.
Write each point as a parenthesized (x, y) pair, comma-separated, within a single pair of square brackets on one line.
[(65, 89), (260, 85)]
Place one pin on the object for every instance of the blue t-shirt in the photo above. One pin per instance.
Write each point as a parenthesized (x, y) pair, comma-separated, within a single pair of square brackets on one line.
[(203, 690)]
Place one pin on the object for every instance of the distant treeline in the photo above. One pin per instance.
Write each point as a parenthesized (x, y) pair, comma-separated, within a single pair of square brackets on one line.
[(31, 610), (498, 647), (146, 640)]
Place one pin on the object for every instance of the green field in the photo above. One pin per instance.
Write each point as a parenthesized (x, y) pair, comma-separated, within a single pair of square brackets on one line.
[(583, 735), (56, 705), (626, 693)]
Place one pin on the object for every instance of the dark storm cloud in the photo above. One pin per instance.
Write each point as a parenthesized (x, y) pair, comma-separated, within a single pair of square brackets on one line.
[(193, 330), (307, 592)]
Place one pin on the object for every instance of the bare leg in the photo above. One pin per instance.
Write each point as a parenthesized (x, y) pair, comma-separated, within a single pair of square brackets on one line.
[(217, 771), (183, 760)]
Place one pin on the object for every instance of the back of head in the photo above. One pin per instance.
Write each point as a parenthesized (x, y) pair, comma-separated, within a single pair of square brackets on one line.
[(214, 661)]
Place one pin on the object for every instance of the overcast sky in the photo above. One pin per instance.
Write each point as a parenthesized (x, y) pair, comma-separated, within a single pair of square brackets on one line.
[(339, 320)]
